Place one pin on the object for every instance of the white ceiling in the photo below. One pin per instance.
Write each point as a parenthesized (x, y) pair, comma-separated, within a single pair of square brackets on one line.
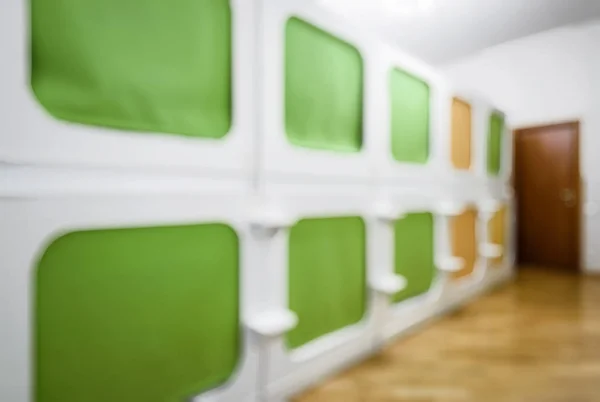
[(452, 29)]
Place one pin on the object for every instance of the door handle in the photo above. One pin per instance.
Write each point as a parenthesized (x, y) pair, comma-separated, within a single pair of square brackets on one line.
[(568, 197)]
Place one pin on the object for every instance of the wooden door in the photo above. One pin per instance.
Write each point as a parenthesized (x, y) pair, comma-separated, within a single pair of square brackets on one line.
[(548, 195), (464, 241), (461, 134)]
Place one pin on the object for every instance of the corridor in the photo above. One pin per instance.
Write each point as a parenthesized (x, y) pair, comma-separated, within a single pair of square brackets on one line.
[(537, 339)]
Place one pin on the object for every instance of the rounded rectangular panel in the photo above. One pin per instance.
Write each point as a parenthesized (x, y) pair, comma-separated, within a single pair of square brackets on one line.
[(327, 276), (497, 232), (410, 114), (464, 241), (320, 269), (137, 314), (323, 89), (414, 254), (494, 143), (411, 117), (461, 134), (153, 68)]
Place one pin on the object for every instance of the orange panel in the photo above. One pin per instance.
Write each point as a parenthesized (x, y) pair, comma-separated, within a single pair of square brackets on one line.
[(464, 242), (461, 134), (497, 232)]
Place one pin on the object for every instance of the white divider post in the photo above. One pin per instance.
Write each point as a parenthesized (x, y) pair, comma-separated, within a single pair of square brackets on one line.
[(271, 319), (42, 205)]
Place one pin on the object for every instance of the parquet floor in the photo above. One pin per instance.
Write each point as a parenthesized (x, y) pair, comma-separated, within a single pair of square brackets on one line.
[(536, 340)]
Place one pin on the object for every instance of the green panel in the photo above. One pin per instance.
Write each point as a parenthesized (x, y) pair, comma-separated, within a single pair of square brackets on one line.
[(414, 254), (144, 65), (494, 155), (410, 103), (323, 90), (137, 315), (327, 270)]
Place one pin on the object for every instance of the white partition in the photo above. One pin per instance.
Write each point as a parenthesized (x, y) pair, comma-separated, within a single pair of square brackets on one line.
[(446, 291), (485, 273), (399, 203), (33, 216), (388, 167), (500, 251), (272, 190), (279, 156), (30, 135), (490, 274), (292, 369)]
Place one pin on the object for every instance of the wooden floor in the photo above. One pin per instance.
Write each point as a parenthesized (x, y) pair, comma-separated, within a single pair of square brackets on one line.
[(535, 340)]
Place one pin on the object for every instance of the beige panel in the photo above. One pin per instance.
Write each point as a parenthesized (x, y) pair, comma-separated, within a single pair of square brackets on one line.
[(464, 242), (461, 134), (497, 232)]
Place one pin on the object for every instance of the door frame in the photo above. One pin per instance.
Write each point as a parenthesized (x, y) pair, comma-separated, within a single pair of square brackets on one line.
[(578, 235)]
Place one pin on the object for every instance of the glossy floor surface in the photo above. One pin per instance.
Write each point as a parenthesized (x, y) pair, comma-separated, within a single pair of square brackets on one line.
[(534, 340)]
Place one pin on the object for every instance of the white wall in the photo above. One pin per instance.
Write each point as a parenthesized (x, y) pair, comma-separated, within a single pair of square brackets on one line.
[(549, 77)]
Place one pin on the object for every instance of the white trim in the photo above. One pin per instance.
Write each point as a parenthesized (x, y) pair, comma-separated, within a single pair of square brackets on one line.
[(31, 223)]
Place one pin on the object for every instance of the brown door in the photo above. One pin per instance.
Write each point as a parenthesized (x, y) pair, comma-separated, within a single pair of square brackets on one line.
[(548, 199)]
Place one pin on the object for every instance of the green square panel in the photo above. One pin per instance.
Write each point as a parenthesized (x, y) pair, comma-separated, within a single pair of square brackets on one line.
[(410, 103), (494, 148), (414, 254), (327, 270), (323, 90), (143, 65), (137, 315)]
